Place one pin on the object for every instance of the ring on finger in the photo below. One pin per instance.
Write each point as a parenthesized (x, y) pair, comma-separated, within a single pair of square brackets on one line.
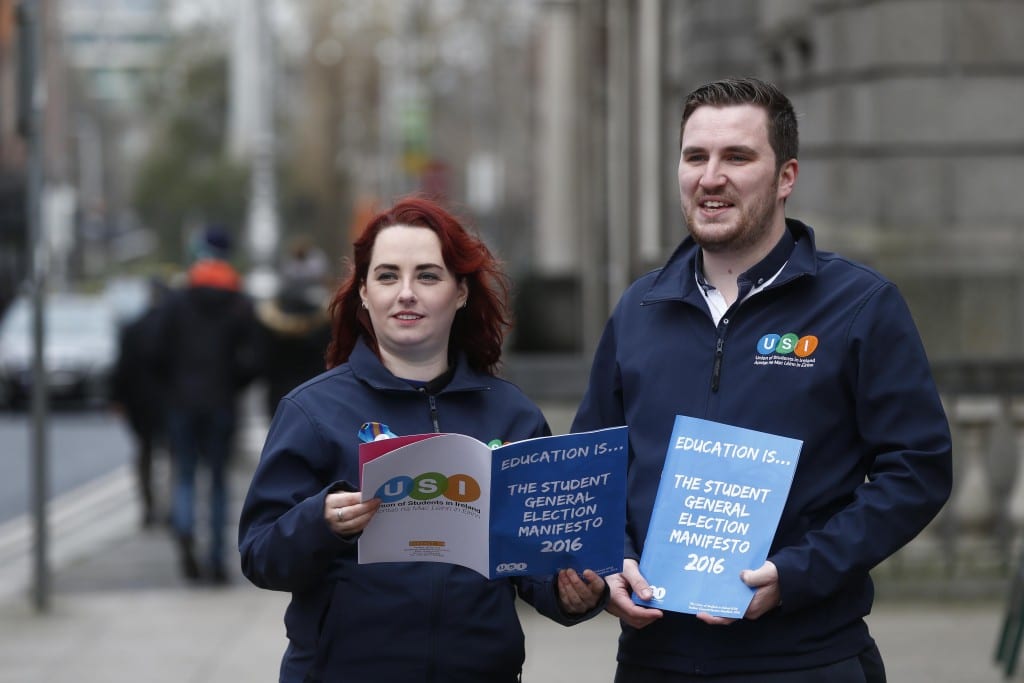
[(339, 514)]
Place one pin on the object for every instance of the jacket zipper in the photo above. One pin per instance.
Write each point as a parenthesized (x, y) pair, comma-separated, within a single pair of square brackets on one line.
[(433, 410), (716, 372), (433, 413)]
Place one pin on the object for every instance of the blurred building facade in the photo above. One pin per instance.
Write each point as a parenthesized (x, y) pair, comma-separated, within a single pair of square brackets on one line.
[(111, 48), (413, 95), (910, 141), (94, 56), (554, 124)]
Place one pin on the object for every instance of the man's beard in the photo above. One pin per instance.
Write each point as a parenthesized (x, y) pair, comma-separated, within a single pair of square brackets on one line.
[(751, 226)]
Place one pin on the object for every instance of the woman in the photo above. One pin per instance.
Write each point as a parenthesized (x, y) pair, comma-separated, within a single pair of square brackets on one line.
[(294, 324), (417, 332)]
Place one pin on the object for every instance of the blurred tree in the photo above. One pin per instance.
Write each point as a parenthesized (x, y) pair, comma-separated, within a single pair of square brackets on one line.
[(186, 177)]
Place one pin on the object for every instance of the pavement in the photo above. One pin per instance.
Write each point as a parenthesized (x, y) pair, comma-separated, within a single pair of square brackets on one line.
[(118, 610)]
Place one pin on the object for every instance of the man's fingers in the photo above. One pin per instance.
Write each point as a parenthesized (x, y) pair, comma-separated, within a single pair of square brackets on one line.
[(631, 573), (765, 574), (713, 620)]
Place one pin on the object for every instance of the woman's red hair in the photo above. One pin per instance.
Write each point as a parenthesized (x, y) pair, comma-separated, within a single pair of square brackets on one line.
[(478, 329)]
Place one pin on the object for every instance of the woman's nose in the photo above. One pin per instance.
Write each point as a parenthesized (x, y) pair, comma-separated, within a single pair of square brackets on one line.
[(407, 293)]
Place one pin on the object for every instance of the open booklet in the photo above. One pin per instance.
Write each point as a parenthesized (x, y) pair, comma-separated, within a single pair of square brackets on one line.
[(524, 508), (718, 504)]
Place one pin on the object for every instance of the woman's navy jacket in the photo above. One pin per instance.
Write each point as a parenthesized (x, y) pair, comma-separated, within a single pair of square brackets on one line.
[(380, 622)]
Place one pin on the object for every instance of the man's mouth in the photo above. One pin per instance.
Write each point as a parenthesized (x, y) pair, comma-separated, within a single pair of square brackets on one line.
[(712, 204)]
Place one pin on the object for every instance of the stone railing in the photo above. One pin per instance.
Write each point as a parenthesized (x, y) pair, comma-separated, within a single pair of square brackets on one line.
[(974, 544)]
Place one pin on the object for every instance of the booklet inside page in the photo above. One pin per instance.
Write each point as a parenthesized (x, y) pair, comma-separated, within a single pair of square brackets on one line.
[(530, 507), (435, 503)]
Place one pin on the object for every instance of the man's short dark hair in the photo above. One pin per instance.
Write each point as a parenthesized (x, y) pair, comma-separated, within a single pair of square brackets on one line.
[(782, 128)]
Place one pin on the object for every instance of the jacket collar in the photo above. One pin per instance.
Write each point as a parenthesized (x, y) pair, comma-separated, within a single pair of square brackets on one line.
[(676, 280), (366, 367)]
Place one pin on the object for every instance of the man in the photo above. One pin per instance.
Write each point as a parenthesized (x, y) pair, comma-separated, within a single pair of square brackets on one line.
[(875, 466), (207, 353), (138, 393)]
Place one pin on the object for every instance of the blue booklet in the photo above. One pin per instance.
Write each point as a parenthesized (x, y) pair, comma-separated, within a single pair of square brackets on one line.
[(525, 508), (718, 504)]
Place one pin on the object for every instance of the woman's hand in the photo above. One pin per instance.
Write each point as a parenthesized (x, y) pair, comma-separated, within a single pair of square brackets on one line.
[(579, 595), (347, 514)]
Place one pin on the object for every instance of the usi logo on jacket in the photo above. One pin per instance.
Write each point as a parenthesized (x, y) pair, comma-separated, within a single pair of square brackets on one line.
[(789, 349)]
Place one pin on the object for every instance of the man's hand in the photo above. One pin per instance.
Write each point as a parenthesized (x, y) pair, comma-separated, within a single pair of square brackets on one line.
[(767, 595), (620, 603)]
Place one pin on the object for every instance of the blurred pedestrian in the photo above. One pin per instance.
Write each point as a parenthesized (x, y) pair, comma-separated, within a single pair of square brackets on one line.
[(137, 392), (295, 326), (305, 262), (207, 354), (417, 332)]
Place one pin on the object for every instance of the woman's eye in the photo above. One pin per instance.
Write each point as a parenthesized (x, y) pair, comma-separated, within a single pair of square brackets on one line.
[(384, 277), (430, 277)]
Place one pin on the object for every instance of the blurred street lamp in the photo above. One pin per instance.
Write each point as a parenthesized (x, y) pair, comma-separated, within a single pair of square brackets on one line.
[(32, 104), (253, 119)]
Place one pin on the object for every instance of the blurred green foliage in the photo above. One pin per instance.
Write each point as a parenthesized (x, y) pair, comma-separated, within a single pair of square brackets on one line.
[(186, 178)]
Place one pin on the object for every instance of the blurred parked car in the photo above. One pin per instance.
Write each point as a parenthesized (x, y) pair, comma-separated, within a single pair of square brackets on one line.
[(128, 296), (81, 341)]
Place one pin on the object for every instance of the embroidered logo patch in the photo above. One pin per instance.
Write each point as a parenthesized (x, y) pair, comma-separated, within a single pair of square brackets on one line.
[(789, 349)]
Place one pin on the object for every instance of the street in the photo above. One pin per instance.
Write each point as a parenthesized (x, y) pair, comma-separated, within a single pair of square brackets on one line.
[(92, 494), (81, 447)]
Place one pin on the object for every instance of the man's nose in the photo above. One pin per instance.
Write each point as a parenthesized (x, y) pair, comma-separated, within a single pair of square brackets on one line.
[(712, 175)]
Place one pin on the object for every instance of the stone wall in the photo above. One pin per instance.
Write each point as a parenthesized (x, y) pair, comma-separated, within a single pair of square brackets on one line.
[(912, 143)]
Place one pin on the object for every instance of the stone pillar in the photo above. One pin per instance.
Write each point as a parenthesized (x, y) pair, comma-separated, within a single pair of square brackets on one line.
[(557, 234), (549, 301)]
